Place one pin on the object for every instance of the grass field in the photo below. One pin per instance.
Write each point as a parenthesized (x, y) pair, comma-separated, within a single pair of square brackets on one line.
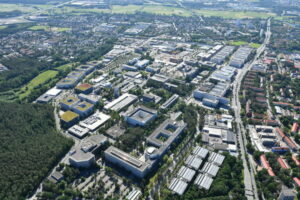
[(234, 14), (255, 45), (238, 43), (38, 80), (166, 10), (2, 27), (47, 28)]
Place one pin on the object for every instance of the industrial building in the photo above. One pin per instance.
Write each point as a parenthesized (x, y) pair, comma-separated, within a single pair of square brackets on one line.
[(121, 102), (200, 152), (212, 95), (134, 195), (210, 169), (240, 57), (178, 186), (193, 162), (186, 174), (216, 159), (140, 116), (222, 55), (203, 181)]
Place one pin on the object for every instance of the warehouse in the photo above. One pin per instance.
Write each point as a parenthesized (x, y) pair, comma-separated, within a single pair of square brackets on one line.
[(222, 55), (203, 181), (210, 169), (193, 162), (216, 158), (178, 186), (186, 173), (200, 152), (240, 57)]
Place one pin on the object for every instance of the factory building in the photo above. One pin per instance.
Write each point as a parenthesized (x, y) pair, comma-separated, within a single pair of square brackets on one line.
[(212, 95), (222, 55), (240, 57)]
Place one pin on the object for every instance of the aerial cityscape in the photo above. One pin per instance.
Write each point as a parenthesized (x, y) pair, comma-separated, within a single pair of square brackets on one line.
[(150, 99)]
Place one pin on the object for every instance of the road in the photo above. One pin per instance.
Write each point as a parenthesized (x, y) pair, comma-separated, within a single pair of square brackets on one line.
[(249, 179)]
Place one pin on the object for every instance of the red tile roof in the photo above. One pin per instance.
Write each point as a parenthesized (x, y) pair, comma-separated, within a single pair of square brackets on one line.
[(295, 127), (297, 181), (282, 163), (295, 160)]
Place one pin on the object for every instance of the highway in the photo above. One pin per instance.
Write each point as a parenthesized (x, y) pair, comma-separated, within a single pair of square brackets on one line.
[(249, 179)]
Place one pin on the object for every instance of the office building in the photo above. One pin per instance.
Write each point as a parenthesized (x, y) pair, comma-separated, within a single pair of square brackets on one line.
[(140, 116)]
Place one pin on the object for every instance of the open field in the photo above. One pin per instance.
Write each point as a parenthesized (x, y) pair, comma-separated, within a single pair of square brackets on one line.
[(2, 27), (165, 10), (47, 28), (5, 7), (234, 14), (239, 43), (38, 80)]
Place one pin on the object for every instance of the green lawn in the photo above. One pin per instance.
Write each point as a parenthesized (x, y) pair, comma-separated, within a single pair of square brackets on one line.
[(255, 45), (38, 80), (47, 28), (239, 43), (2, 27)]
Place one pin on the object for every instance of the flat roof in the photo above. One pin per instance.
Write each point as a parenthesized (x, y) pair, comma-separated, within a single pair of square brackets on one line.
[(78, 131), (53, 91), (83, 106), (121, 102), (69, 116), (141, 114), (127, 158), (70, 100), (95, 121), (166, 104), (170, 129)]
